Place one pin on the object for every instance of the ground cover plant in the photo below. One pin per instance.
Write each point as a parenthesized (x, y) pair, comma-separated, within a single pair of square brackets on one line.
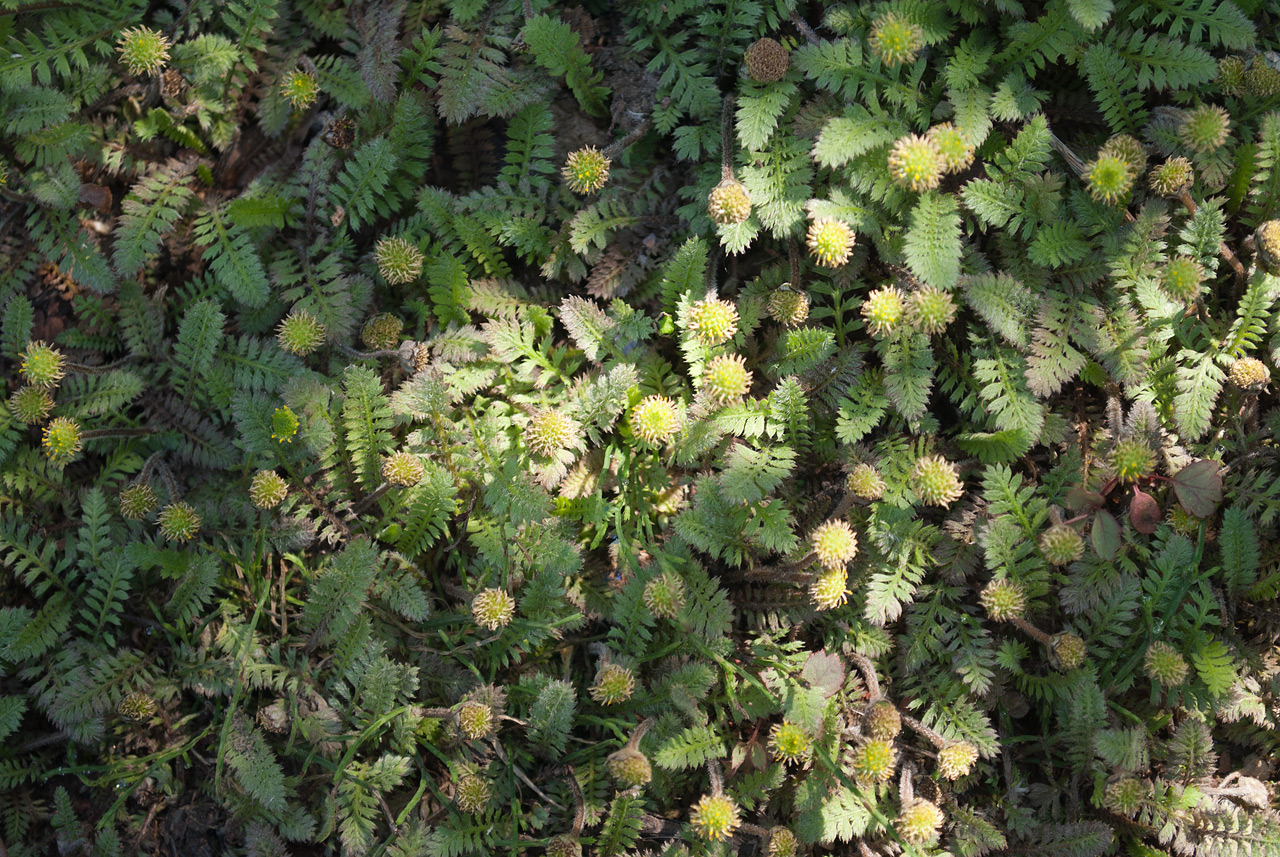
[(661, 427)]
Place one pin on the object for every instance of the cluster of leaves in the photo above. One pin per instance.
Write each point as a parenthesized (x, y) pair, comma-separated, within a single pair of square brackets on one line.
[(367, 487)]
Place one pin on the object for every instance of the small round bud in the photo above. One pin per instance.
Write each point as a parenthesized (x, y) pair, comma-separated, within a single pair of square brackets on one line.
[(882, 721), (883, 310), (1231, 72), (586, 170), (564, 845), (953, 147), (713, 321), (399, 260), (930, 310), (404, 469), (766, 61), (614, 683), (629, 767), (956, 760), (664, 595), (727, 379), (1124, 796), (137, 501), (873, 761), (715, 817), (865, 483), (1249, 374), (1261, 80), (1003, 599), (1267, 239), (937, 481), (42, 365), (1204, 128), (788, 307), (1165, 664), (1068, 651), (1128, 149), (284, 424), (61, 440), (1181, 279), (267, 489), (830, 589), (655, 419), (790, 743), (919, 822), (835, 543), (1061, 544), (31, 405), (142, 50), (729, 203), (274, 717), (1108, 178), (894, 39), (179, 522), (549, 432), (493, 608), (475, 719), (382, 332), (300, 333), (916, 163), (830, 241), (1131, 459), (472, 794), (136, 707), (1172, 177), (782, 843)]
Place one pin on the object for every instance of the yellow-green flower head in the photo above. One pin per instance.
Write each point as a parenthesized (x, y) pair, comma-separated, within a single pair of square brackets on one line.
[(882, 721), (1181, 279), (137, 501), (830, 241), (1003, 599), (937, 481), (1131, 459), (1068, 651), (895, 39), (142, 49), (1249, 374), (883, 310), (614, 683), (1231, 71), (629, 767), (782, 843), (664, 595), (956, 760), (284, 424), (1165, 664), (61, 440), (472, 794), (953, 146), (586, 170), (790, 743), (300, 88), (766, 60), (1172, 177), (564, 845), (381, 332), (42, 365), (1108, 179), (713, 321), (788, 307), (1183, 522), (729, 202), (873, 761), (404, 469), (1261, 80), (1124, 796), (399, 260), (267, 489), (179, 522), (655, 419), (830, 589), (1061, 544), (930, 309), (300, 333), (136, 707), (916, 163), (834, 543), (727, 379), (493, 608), (475, 719), (1267, 239), (31, 405), (919, 822), (1128, 149), (865, 483), (715, 817), (1204, 128), (550, 431)]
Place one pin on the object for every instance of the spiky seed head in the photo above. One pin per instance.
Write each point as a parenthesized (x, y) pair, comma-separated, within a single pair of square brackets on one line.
[(629, 767), (550, 431), (586, 170), (404, 469), (830, 589), (1003, 599), (284, 424), (729, 202), (1181, 279), (399, 260), (919, 822), (42, 364), (382, 332), (1261, 80), (564, 845), (300, 88), (1249, 374), (895, 39), (664, 595), (31, 405), (614, 683), (883, 310), (937, 481), (1128, 149), (1231, 72), (136, 707), (475, 719), (493, 608), (788, 307), (953, 146), (790, 743), (766, 61), (137, 501), (1068, 651), (882, 721), (1172, 177), (472, 794), (61, 440), (834, 543), (713, 321), (179, 522), (865, 483), (715, 817), (930, 309), (916, 163), (1132, 459), (956, 760), (1267, 239), (142, 49), (655, 419), (782, 843), (267, 489), (1108, 178), (1124, 796), (727, 379), (1204, 128), (830, 241), (1061, 544), (300, 333), (1165, 664), (874, 761)]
